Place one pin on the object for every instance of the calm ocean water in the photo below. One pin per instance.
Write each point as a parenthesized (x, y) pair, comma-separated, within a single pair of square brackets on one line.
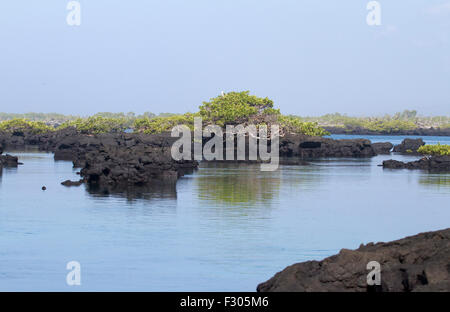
[(224, 227)]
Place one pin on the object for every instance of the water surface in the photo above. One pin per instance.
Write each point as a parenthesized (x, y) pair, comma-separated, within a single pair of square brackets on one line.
[(225, 227)]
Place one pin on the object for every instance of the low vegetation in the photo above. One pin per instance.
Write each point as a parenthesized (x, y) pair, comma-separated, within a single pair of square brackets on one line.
[(435, 150), (227, 109), (20, 126), (97, 124), (293, 124), (163, 124), (232, 109), (404, 121)]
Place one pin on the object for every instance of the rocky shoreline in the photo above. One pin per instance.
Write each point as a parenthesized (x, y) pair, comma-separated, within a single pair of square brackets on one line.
[(138, 159), (129, 159), (128, 164), (308, 147), (433, 163), (416, 263), (410, 147), (108, 159)]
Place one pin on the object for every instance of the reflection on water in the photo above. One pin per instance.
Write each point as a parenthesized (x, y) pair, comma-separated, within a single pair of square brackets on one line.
[(237, 184), (132, 193), (435, 179)]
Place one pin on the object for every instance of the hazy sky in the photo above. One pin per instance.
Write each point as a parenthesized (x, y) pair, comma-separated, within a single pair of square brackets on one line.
[(311, 57)]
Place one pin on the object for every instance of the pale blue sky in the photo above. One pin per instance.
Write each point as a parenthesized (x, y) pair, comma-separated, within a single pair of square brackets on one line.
[(311, 57)]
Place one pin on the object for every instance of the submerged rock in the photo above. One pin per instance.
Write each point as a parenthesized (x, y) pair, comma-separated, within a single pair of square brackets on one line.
[(72, 183), (415, 263), (409, 146)]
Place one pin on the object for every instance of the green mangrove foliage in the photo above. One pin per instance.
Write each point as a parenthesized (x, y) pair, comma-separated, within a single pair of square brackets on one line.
[(163, 124), (23, 125), (388, 126), (97, 125), (435, 150), (236, 108), (232, 108), (294, 124)]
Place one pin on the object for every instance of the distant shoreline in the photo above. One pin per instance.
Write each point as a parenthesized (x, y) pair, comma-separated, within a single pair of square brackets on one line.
[(416, 132)]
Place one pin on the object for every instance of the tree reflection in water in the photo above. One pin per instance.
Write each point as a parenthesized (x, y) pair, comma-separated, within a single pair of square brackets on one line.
[(438, 179), (234, 184), (131, 193)]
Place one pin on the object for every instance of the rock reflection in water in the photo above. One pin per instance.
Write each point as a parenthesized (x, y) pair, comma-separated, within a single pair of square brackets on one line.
[(148, 192)]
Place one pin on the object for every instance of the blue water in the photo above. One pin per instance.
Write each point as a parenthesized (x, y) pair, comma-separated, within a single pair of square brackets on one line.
[(224, 228)]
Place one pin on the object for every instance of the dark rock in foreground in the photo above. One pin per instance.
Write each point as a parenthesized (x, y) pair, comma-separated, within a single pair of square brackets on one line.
[(382, 147), (409, 146), (415, 263), (433, 163)]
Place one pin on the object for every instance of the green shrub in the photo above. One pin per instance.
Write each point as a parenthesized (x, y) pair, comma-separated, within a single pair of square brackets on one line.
[(294, 124), (163, 124), (390, 126), (435, 150), (235, 108), (97, 124)]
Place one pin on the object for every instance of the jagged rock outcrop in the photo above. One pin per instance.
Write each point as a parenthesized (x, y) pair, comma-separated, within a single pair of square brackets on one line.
[(129, 159), (382, 147), (432, 163), (68, 144), (7, 160), (45, 141), (409, 146), (116, 158), (307, 147), (415, 263)]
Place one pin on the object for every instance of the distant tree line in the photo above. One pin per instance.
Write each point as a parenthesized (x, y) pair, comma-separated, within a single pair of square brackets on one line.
[(406, 120), (230, 108)]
